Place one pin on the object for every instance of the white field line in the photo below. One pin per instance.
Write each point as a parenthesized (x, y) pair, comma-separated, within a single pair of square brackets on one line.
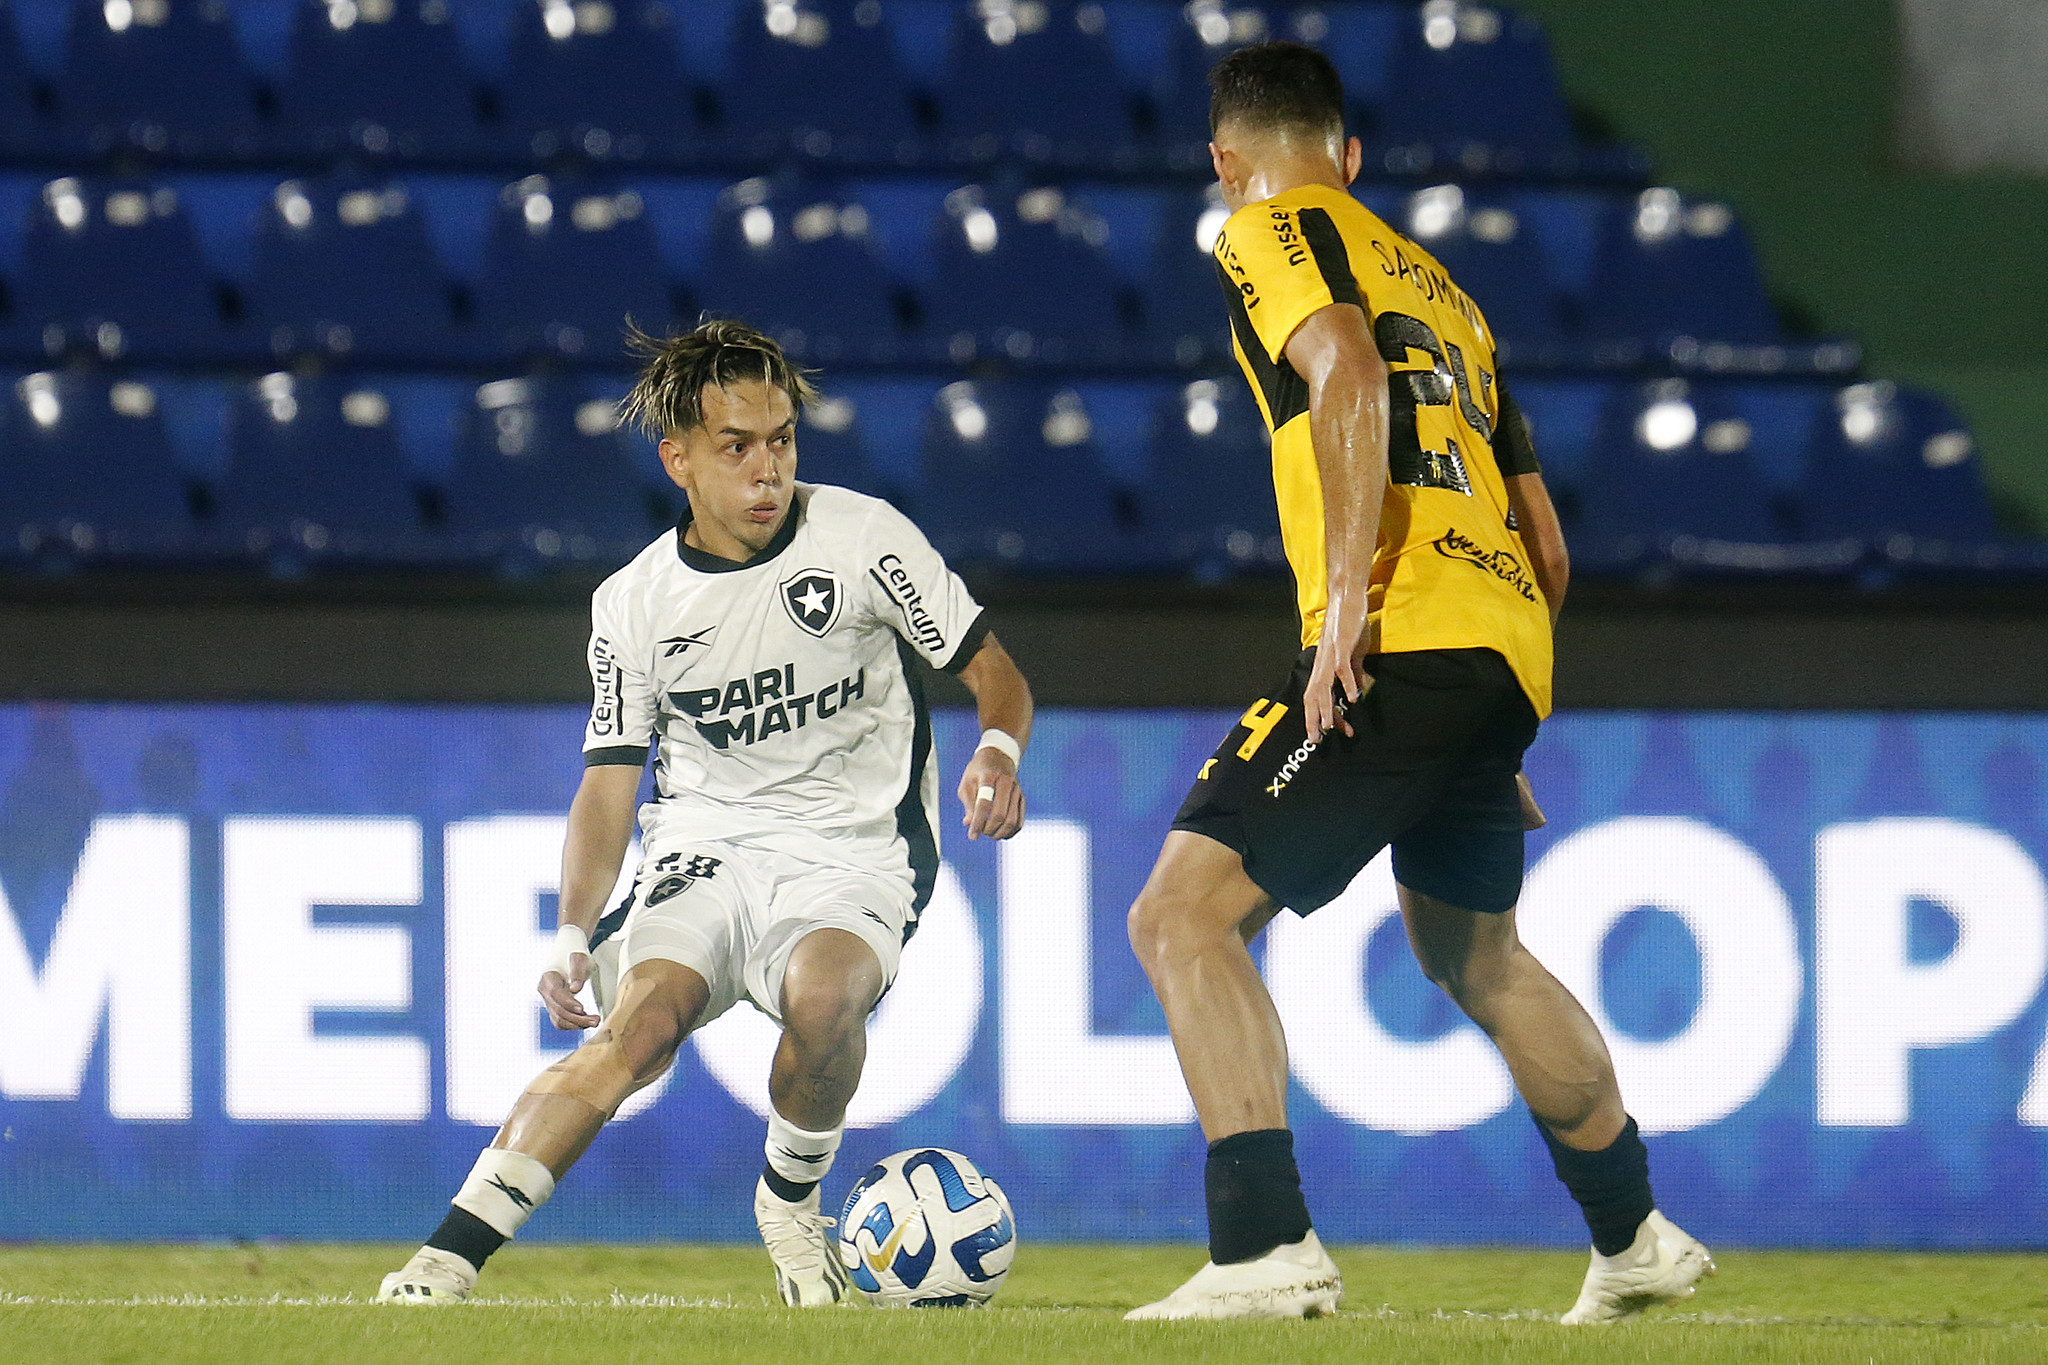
[(615, 1300), (1384, 1313)]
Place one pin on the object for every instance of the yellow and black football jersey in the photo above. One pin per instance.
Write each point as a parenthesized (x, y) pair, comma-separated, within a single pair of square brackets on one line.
[(1451, 571)]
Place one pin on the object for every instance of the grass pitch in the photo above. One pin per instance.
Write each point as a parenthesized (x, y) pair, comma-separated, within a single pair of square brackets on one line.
[(705, 1305)]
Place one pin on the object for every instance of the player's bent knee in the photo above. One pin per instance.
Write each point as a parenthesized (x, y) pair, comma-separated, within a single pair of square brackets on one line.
[(832, 983)]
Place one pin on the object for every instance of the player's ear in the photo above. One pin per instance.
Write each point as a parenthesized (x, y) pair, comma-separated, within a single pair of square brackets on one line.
[(1230, 170), (1354, 158), (673, 460)]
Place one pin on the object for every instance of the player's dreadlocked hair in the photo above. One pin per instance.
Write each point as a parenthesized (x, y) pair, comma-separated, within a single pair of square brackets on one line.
[(1277, 85), (668, 395)]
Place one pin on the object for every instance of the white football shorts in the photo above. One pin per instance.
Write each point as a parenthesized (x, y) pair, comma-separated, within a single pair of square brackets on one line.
[(733, 910)]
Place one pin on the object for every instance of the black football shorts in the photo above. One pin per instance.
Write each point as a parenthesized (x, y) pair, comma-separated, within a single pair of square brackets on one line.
[(1429, 768)]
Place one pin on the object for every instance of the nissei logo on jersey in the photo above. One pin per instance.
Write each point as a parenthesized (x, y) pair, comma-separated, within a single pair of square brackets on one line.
[(751, 709), (895, 580)]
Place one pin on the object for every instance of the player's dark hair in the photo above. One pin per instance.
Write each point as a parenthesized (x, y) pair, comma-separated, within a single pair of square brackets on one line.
[(675, 370), (1274, 86)]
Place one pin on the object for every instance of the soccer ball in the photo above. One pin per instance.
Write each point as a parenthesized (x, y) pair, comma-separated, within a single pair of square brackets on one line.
[(926, 1229)]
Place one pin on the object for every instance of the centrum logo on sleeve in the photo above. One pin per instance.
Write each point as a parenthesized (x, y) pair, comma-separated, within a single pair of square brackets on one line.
[(1455, 544), (895, 580), (607, 714)]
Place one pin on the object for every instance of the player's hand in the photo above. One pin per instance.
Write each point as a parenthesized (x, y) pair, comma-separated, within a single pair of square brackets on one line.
[(991, 799), (568, 968), (1339, 667), (1532, 814)]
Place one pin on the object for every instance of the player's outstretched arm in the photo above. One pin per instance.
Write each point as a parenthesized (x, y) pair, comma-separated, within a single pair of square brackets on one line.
[(1542, 536), (991, 799), (600, 828), (1333, 350)]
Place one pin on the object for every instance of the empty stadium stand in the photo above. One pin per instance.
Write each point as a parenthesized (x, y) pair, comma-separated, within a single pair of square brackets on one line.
[(303, 286)]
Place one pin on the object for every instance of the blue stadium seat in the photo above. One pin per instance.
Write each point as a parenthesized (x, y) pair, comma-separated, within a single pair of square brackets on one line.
[(23, 129), (1024, 280), (155, 77), (1494, 258), (87, 471), (886, 426), (1472, 89), (1036, 79), (1208, 499), (801, 265), (383, 78), (1185, 318), (1667, 269), (1205, 32), (315, 475), (829, 448), (1670, 468), (1012, 478), (113, 270), (346, 269), (539, 477), (821, 78), (566, 265), (1362, 39), (1886, 463), (1564, 417), (597, 80)]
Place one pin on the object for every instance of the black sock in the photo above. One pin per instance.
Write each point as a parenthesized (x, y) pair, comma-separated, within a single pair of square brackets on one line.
[(1612, 1185), (789, 1191), (1254, 1191), (467, 1236)]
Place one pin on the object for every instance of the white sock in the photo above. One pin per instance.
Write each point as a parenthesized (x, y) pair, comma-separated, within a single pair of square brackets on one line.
[(797, 1155), (504, 1188)]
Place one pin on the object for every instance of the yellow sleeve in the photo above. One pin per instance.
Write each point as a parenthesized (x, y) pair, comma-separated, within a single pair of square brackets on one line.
[(1286, 263)]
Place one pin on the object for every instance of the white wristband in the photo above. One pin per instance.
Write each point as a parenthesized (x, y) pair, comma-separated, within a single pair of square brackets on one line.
[(1003, 743), (569, 940)]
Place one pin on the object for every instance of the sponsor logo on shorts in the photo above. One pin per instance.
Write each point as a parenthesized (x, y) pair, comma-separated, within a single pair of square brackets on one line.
[(895, 580), (1291, 769), (1455, 544)]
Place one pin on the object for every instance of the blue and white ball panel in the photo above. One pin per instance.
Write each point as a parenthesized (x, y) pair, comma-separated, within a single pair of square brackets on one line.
[(925, 1228)]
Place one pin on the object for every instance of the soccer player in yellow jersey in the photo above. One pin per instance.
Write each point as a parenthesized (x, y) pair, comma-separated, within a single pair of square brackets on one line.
[(1429, 567)]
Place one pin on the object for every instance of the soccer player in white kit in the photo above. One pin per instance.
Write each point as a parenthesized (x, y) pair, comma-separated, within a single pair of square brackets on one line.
[(763, 651)]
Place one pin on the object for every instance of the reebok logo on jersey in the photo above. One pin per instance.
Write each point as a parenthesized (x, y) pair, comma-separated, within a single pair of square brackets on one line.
[(678, 644), (766, 704), (895, 580), (1454, 544), (812, 598)]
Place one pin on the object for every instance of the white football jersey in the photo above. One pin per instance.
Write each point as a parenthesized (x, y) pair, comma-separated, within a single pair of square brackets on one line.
[(778, 692)]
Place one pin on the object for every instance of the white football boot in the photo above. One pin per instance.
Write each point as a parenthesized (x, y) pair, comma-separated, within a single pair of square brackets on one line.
[(1662, 1264), (431, 1278), (1294, 1281), (800, 1242)]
